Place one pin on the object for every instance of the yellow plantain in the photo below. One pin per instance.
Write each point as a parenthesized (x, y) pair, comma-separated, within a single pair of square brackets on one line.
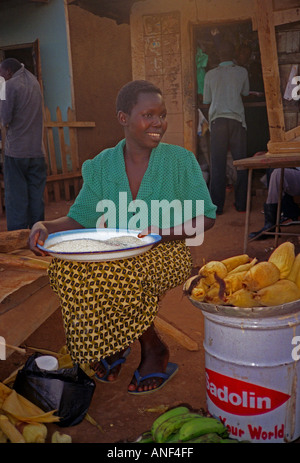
[(261, 275), (295, 270), (211, 270), (281, 292), (283, 257), (243, 267), (242, 298), (233, 262), (234, 282)]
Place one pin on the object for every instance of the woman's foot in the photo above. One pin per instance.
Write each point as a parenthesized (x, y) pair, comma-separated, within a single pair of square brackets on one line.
[(108, 369), (154, 359)]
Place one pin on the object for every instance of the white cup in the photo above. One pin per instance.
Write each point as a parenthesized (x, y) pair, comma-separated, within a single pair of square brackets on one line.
[(47, 362)]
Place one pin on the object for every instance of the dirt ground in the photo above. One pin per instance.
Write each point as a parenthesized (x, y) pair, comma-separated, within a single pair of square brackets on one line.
[(123, 417)]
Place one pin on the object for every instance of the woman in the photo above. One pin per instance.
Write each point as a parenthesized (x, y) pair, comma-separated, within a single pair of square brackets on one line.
[(108, 305)]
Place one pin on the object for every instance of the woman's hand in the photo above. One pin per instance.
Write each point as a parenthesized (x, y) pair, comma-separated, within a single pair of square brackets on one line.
[(41, 230), (148, 231), (37, 236)]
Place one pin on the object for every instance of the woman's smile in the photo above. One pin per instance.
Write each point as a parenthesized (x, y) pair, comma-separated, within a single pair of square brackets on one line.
[(147, 122)]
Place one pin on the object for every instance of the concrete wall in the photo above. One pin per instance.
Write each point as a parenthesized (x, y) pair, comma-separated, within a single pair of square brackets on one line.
[(163, 50), (101, 58)]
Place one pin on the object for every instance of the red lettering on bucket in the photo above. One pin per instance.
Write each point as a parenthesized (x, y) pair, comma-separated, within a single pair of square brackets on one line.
[(241, 398)]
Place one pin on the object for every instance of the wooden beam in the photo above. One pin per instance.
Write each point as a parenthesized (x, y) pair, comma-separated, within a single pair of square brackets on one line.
[(175, 333), (69, 124), (269, 60), (292, 134), (68, 175), (286, 147), (286, 16), (18, 324)]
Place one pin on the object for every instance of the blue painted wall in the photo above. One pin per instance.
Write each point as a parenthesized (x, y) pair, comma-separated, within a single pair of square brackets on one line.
[(30, 21)]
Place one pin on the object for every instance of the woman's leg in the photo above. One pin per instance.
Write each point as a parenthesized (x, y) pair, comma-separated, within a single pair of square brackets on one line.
[(154, 358), (101, 371)]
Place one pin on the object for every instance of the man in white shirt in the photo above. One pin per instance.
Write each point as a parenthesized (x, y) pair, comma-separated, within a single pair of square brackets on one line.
[(224, 87)]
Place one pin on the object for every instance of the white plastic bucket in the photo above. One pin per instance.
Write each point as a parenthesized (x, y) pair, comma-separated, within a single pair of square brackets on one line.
[(253, 375)]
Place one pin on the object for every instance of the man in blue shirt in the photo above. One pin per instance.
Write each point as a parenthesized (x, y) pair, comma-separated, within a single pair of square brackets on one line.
[(224, 87), (21, 113)]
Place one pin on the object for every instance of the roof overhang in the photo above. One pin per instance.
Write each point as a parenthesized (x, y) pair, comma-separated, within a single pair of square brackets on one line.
[(118, 10)]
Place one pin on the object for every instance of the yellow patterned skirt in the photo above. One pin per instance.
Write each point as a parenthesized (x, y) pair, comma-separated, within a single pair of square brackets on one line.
[(108, 305)]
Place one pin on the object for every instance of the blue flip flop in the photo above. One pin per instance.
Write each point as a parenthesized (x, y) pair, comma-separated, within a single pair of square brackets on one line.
[(108, 367), (171, 370)]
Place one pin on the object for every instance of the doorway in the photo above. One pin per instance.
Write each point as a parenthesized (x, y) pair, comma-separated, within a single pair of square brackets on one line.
[(206, 38), (26, 53)]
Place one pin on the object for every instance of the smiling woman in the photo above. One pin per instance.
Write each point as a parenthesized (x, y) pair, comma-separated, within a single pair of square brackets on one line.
[(108, 305), (142, 112)]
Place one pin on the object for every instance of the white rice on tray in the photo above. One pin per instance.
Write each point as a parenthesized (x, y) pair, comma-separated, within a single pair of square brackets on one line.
[(93, 245)]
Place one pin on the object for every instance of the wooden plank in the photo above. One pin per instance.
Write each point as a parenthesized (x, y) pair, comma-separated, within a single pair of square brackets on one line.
[(292, 134), (269, 60), (70, 175), (65, 178), (74, 151), (268, 161), (286, 16), (50, 145), (18, 324), (73, 141), (15, 239), (73, 124), (288, 148), (63, 153), (23, 293), (182, 338), (51, 155), (21, 262)]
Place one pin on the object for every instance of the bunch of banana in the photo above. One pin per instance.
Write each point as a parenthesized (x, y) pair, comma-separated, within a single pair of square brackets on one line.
[(241, 281), (180, 424)]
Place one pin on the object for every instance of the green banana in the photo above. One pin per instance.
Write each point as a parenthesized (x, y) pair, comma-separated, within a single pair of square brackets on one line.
[(173, 438), (145, 438), (172, 425), (199, 426), (209, 438), (166, 415), (229, 441)]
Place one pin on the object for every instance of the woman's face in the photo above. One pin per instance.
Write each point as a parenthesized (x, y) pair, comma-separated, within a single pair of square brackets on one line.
[(147, 123)]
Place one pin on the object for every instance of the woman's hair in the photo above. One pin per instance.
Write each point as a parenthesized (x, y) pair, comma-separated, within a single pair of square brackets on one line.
[(128, 95), (11, 64)]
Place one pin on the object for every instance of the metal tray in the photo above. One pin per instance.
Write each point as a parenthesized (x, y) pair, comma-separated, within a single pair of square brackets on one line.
[(248, 312), (98, 234)]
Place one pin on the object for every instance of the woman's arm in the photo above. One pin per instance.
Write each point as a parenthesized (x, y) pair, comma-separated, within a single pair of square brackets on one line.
[(41, 230), (190, 229)]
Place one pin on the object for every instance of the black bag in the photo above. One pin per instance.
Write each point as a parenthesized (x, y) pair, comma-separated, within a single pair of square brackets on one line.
[(68, 390)]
